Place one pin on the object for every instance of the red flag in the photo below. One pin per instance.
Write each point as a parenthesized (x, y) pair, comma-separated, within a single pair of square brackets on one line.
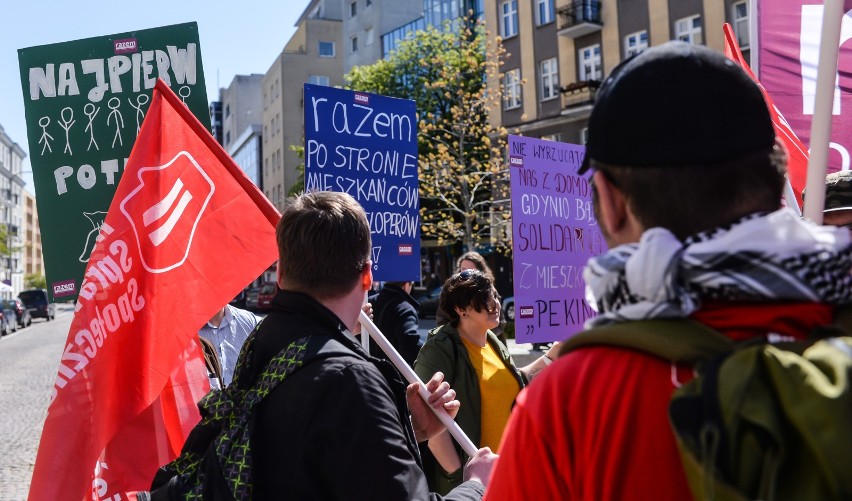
[(797, 153), (185, 232)]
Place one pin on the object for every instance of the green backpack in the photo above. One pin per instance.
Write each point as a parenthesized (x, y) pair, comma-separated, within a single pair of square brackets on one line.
[(759, 421)]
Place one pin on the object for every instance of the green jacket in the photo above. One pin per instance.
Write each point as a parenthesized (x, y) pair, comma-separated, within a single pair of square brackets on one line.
[(444, 352)]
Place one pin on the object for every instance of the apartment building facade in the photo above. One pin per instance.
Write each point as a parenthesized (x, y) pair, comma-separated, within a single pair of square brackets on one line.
[(559, 51), (31, 256), (364, 23), (314, 54), (11, 189)]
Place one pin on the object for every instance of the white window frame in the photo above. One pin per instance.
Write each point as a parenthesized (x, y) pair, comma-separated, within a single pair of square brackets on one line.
[(584, 136), (319, 48), (687, 31), (545, 12), (635, 43), (512, 89), (549, 77), (589, 58), (369, 36), (741, 24), (509, 18), (319, 80), (553, 137)]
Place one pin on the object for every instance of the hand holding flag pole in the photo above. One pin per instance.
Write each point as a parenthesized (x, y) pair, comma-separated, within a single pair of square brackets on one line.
[(455, 430)]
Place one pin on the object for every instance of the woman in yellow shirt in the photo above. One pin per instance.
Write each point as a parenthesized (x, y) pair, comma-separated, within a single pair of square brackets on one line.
[(477, 366)]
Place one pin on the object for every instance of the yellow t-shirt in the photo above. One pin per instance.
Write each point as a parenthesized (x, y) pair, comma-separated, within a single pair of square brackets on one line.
[(497, 388)]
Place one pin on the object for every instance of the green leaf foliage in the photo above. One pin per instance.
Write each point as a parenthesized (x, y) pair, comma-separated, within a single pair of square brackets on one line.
[(453, 76)]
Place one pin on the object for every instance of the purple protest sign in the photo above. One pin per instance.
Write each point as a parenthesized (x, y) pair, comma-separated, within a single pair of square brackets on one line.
[(788, 42), (554, 233)]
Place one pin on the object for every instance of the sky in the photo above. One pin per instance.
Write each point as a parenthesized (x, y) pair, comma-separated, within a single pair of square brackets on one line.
[(241, 39)]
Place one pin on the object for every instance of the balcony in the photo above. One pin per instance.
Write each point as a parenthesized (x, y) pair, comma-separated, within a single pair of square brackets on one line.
[(579, 18), (579, 96)]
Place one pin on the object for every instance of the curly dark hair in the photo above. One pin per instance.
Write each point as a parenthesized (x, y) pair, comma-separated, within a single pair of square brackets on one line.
[(468, 288)]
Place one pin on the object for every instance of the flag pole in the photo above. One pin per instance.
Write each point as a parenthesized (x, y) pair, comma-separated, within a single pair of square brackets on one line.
[(790, 197), (832, 16), (411, 376)]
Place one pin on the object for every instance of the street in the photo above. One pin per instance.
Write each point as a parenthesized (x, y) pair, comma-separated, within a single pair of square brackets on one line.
[(28, 363)]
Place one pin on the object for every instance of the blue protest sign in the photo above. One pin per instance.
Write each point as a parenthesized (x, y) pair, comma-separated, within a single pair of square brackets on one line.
[(366, 145)]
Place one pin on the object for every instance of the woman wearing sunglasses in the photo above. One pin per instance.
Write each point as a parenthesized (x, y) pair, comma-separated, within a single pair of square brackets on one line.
[(477, 366)]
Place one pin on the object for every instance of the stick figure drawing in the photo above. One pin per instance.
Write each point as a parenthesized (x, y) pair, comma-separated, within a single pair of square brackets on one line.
[(67, 116), (91, 111), (45, 139), (141, 100), (113, 104)]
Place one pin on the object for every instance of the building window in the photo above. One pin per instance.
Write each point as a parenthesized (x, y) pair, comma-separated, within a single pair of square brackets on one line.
[(319, 80), (584, 136), (635, 43), (369, 36), (512, 89), (509, 18), (590, 63), (544, 11), (353, 44), (227, 110), (227, 138), (368, 3), (549, 71), (552, 137), (326, 49), (353, 9), (688, 29), (740, 18)]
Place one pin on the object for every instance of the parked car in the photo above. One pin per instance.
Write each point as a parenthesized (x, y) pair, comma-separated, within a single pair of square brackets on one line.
[(23, 314), (265, 294), (251, 298), (8, 319), (508, 308), (429, 303), (36, 301)]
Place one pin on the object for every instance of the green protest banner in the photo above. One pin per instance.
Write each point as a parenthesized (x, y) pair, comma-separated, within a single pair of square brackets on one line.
[(84, 102)]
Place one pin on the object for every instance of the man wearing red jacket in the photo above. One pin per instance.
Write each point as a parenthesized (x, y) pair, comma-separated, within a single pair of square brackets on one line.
[(687, 182)]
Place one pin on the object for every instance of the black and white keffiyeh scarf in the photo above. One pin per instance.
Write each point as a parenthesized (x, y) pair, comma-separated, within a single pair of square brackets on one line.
[(762, 257)]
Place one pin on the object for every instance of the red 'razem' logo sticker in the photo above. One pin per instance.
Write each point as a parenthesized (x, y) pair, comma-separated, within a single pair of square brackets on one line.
[(526, 312), (124, 46), (165, 220), (362, 98), (406, 249)]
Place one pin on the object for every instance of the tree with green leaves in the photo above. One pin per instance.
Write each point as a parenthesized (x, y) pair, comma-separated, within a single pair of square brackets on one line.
[(35, 281), (453, 75)]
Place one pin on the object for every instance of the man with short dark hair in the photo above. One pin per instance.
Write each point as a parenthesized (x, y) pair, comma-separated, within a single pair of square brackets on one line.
[(395, 314), (687, 182), (343, 425)]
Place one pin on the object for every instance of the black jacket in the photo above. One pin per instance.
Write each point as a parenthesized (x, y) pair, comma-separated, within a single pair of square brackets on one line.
[(337, 428), (395, 314)]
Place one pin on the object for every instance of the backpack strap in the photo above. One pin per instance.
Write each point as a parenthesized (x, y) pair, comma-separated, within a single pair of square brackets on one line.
[(211, 360), (679, 340)]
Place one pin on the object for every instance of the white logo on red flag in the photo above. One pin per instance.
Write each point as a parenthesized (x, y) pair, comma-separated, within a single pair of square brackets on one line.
[(164, 225)]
